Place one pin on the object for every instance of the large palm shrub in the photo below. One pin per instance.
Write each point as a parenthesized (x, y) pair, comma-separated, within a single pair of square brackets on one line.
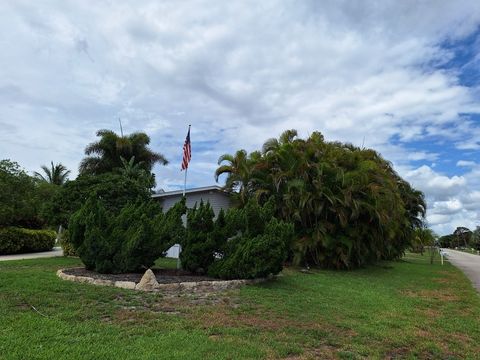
[(349, 206)]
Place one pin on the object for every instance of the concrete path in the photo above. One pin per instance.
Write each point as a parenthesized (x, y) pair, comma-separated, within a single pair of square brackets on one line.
[(468, 263), (45, 254)]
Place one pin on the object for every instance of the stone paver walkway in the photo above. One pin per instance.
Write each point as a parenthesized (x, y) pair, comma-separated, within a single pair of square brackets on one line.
[(45, 254)]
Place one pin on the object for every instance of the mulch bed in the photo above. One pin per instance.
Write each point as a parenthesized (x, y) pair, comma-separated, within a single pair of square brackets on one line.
[(164, 276)]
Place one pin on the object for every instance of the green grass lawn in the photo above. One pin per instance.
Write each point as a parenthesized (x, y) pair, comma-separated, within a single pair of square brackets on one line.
[(405, 309)]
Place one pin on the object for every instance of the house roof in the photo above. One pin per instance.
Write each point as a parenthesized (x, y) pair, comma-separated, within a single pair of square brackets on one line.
[(189, 191)]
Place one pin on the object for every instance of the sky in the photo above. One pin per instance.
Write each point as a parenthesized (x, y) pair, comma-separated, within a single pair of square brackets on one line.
[(401, 77)]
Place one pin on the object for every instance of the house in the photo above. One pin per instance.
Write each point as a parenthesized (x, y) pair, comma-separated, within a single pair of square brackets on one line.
[(215, 195)]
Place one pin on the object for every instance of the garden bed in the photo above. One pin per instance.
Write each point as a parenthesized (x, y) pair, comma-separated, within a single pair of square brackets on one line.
[(166, 281), (163, 276)]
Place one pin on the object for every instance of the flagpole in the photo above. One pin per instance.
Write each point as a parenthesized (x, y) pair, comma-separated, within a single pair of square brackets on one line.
[(179, 265), (186, 168), (185, 182)]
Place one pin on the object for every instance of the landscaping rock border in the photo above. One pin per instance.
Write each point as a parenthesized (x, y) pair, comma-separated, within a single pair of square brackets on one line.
[(148, 284)]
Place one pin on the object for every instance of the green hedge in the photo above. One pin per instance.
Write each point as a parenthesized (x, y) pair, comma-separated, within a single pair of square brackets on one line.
[(15, 240)]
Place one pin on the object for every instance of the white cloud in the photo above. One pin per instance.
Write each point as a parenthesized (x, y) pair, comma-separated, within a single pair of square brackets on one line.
[(435, 185), (466, 163), (239, 72)]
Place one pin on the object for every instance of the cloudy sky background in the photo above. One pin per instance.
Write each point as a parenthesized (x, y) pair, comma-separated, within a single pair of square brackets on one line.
[(401, 77)]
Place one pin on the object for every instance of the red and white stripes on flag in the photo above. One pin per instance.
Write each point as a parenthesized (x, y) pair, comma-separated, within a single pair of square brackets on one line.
[(187, 151)]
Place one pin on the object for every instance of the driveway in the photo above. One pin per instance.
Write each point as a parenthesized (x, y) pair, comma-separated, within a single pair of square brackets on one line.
[(468, 263), (44, 254)]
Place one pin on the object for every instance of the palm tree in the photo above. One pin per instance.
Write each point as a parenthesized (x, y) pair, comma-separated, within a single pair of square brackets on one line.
[(241, 172), (105, 155), (57, 174)]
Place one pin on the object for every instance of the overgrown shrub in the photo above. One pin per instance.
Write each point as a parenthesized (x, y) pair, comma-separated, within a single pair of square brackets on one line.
[(254, 257), (243, 243), (260, 246), (203, 237), (349, 206), (15, 240), (122, 241)]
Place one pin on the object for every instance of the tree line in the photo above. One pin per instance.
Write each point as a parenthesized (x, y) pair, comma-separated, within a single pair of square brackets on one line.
[(462, 237), (347, 205)]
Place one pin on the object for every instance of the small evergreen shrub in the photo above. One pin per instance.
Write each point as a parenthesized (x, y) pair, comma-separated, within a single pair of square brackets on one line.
[(249, 257), (203, 237), (125, 241), (242, 244), (15, 240)]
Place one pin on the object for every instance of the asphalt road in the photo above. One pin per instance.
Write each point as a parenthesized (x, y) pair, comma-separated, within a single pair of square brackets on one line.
[(468, 263), (44, 254)]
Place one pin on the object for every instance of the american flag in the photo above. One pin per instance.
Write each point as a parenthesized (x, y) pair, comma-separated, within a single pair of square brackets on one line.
[(187, 151)]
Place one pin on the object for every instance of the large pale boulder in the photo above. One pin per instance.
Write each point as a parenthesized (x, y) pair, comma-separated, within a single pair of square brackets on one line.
[(148, 282)]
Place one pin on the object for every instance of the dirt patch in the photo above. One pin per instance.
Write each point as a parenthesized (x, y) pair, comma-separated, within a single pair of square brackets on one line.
[(423, 333), (326, 352), (164, 276), (224, 315), (438, 294), (443, 281), (463, 339), (397, 353), (430, 313)]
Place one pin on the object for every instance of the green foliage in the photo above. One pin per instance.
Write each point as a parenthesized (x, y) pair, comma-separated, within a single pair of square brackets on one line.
[(421, 238), (15, 240), (125, 240), (243, 243), (249, 257), (113, 190), (349, 207), (476, 238), (109, 153), (463, 236), (18, 202), (199, 245), (57, 174), (447, 241)]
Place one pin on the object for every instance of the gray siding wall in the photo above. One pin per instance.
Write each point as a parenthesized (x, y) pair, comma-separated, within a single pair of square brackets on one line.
[(217, 200)]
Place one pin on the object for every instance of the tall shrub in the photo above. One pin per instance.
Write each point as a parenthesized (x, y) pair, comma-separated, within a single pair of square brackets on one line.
[(243, 243), (18, 200), (349, 206), (113, 190), (128, 240), (199, 245)]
